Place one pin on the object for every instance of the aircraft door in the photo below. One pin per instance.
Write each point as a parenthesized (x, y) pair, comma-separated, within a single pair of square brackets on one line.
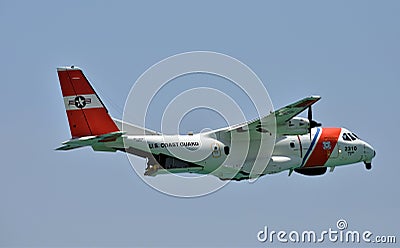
[(295, 147)]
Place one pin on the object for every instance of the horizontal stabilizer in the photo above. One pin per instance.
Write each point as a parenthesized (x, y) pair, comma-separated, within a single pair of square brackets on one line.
[(89, 141)]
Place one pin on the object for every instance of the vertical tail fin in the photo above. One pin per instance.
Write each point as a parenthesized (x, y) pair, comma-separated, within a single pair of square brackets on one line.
[(86, 113)]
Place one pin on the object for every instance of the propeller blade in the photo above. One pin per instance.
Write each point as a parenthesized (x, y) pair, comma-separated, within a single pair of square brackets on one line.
[(311, 122)]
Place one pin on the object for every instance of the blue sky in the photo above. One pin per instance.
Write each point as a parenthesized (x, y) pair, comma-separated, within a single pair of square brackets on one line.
[(345, 51)]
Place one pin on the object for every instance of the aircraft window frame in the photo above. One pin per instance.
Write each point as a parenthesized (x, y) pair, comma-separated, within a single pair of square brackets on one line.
[(351, 136), (346, 137)]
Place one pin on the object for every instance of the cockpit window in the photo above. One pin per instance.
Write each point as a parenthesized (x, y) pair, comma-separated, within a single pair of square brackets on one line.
[(351, 136), (355, 135), (346, 137)]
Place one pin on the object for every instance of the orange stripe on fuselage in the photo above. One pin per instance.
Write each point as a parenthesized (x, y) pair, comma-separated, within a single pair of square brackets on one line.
[(321, 153)]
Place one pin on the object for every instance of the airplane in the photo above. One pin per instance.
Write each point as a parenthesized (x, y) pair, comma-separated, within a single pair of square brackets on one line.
[(301, 145)]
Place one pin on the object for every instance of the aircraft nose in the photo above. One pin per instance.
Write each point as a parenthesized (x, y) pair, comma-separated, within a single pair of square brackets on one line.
[(369, 151), (369, 154)]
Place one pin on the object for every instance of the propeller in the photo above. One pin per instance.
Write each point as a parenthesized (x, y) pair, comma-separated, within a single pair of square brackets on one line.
[(312, 123)]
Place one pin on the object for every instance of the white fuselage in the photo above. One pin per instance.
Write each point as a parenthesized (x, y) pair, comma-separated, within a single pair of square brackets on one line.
[(200, 153)]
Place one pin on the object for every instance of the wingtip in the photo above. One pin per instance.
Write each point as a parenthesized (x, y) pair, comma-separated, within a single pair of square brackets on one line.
[(316, 97)]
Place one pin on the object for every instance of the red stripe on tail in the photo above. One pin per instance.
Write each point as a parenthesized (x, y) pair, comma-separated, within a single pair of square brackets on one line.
[(87, 119)]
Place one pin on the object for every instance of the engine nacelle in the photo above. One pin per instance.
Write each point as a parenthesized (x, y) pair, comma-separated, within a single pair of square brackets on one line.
[(295, 126)]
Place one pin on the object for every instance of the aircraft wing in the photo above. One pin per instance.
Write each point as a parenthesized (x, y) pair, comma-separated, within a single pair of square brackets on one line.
[(257, 132), (286, 113), (282, 116), (94, 141)]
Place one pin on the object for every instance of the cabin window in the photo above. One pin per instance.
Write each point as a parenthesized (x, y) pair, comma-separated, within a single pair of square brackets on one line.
[(215, 147), (291, 144), (226, 150)]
